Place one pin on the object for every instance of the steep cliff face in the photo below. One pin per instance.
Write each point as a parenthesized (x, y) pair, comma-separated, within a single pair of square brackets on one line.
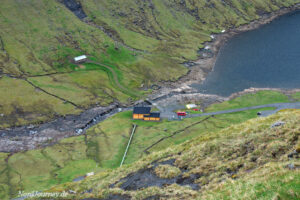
[(144, 41)]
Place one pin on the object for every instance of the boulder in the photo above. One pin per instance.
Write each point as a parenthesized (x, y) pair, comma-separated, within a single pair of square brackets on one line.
[(294, 154), (276, 124)]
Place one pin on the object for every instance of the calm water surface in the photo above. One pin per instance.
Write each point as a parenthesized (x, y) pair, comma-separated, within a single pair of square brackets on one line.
[(265, 57)]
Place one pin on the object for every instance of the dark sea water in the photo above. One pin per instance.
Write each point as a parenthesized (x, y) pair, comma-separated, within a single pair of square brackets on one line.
[(265, 57)]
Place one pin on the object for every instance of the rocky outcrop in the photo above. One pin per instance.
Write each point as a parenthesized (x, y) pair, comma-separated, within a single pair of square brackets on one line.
[(75, 7)]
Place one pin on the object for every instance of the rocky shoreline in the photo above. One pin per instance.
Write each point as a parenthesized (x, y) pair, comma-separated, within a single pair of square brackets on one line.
[(30, 137), (200, 68)]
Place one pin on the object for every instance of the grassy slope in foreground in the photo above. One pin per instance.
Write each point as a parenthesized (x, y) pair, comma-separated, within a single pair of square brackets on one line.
[(244, 161), (40, 37), (104, 145), (102, 149)]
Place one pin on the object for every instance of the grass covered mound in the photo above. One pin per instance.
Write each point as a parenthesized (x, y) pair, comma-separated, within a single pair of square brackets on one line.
[(245, 161), (143, 41), (252, 99)]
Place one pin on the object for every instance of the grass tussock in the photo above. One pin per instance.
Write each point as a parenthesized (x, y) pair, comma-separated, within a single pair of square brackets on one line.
[(167, 171)]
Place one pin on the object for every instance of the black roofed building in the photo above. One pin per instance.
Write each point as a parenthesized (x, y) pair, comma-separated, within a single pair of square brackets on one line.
[(144, 113), (152, 117)]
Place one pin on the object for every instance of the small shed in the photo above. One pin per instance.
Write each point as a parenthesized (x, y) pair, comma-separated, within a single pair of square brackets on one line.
[(80, 59)]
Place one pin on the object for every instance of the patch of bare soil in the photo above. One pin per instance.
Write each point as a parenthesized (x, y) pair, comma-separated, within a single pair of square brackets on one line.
[(147, 178)]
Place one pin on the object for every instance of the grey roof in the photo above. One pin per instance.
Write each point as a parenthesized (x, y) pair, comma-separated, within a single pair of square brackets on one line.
[(141, 110), (156, 115)]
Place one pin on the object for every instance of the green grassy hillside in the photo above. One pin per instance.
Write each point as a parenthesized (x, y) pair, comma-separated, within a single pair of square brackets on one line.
[(250, 160), (100, 149), (38, 39), (103, 146)]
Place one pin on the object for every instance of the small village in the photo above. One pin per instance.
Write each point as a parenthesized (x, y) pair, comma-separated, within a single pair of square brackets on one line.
[(145, 114)]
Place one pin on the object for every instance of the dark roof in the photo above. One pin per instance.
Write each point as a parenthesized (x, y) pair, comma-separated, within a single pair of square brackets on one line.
[(141, 110), (156, 115)]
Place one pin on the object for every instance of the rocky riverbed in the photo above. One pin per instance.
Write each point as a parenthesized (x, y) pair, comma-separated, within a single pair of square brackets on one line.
[(36, 136), (33, 136)]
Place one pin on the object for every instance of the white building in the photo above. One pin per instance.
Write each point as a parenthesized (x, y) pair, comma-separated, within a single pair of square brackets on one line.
[(190, 106), (80, 59), (90, 174)]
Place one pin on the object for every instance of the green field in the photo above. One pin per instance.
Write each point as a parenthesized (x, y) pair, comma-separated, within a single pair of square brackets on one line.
[(248, 100), (38, 106), (243, 161), (144, 43), (101, 149), (38, 40), (296, 96), (103, 145)]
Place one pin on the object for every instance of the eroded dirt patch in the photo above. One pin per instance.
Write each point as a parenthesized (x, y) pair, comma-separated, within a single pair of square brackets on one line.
[(147, 178)]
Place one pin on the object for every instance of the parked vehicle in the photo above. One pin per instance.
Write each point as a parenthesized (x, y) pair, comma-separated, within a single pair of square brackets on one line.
[(181, 113)]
